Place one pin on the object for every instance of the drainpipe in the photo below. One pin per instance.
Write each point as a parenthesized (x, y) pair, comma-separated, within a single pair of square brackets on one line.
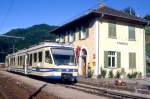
[(98, 45)]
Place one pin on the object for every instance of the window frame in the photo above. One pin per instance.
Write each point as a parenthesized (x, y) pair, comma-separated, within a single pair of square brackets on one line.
[(35, 57), (111, 55), (81, 32), (71, 35), (62, 38), (49, 57), (40, 59), (31, 59)]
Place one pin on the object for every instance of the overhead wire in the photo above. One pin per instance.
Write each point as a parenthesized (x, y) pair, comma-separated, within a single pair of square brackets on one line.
[(6, 14), (84, 12)]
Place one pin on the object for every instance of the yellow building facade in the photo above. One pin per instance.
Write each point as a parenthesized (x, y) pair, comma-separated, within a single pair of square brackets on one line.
[(106, 39)]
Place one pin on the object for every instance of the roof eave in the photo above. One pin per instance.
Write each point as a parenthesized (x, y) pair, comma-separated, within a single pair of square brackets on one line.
[(92, 12), (143, 22)]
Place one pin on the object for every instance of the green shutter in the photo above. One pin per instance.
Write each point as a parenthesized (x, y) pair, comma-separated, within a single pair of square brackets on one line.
[(132, 60), (118, 59), (112, 30), (80, 34), (105, 59), (74, 36), (87, 32), (131, 34)]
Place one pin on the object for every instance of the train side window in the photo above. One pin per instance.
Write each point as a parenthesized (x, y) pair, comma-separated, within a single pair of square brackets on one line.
[(30, 60), (14, 61), (48, 58), (40, 56), (18, 60), (23, 60), (35, 57)]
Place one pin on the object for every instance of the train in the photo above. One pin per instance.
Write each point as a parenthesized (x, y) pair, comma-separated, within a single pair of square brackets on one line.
[(47, 60)]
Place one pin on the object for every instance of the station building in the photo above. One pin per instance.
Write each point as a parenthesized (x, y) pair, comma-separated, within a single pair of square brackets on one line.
[(106, 38)]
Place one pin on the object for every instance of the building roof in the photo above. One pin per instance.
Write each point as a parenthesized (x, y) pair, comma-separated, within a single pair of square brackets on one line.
[(110, 11), (107, 13)]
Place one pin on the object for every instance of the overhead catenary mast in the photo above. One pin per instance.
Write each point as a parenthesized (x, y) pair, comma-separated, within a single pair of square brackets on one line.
[(12, 37)]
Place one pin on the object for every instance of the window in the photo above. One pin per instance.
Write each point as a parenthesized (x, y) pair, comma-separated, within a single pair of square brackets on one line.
[(112, 30), (57, 38), (84, 33), (131, 31), (35, 57), (40, 56), (112, 59), (71, 36), (14, 61), (18, 60), (63, 56), (24, 60), (30, 62), (28, 59), (62, 38), (48, 58), (132, 60)]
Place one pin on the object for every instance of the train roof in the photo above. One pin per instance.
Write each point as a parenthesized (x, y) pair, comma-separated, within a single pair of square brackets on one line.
[(50, 44), (41, 45)]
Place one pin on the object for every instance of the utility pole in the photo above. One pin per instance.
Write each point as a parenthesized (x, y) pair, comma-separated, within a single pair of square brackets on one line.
[(12, 37)]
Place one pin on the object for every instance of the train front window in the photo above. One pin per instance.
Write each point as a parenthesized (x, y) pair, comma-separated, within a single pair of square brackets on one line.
[(63, 56)]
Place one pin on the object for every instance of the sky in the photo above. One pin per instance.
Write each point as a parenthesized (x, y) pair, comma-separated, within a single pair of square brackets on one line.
[(25, 13)]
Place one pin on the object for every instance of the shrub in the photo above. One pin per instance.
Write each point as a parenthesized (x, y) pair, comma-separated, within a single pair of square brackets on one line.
[(139, 75), (118, 74), (133, 75), (111, 74), (99, 76), (129, 75), (103, 73)]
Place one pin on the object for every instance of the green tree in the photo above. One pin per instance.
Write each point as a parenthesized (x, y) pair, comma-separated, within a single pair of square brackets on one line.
[(147, 17), (129, 11), (33, 35)]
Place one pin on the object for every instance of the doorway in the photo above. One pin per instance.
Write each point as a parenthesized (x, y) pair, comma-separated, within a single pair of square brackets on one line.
[(84, 62)]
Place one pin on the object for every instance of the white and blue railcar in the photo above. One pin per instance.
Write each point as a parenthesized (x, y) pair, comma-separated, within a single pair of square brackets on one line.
[(47, 60)]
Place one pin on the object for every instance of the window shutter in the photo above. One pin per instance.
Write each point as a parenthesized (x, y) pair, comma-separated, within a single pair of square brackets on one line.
[(131, 34), (105, 59), (74, 36), (132, 60), (112, 30), (80, 35), (87, 32), (118, 59)]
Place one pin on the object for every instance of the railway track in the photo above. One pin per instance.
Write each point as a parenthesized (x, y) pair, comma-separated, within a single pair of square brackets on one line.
[(93, 88), (107, 92)]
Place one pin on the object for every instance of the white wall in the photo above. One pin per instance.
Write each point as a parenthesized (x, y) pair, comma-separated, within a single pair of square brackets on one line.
[(123, 45)]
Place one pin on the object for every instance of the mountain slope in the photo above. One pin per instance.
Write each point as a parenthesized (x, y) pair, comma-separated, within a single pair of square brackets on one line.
[(32, 35)]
